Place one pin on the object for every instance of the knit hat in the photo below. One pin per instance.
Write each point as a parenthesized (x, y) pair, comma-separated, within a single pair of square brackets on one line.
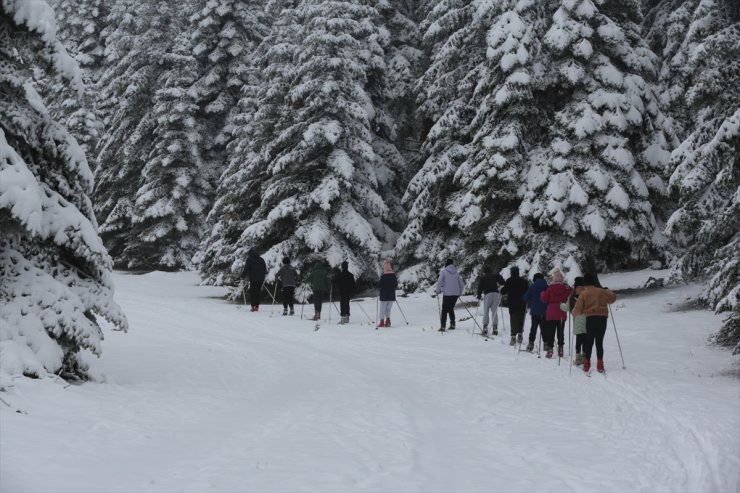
[(590, 280), (557, 276), (579, 281), (538, 276), (286, 260), (514, 271), (486, 269), (345, 265), (449, 262), (387, 267)]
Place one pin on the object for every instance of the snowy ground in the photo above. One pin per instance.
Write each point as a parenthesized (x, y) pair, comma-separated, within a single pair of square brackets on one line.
[(202, 396)]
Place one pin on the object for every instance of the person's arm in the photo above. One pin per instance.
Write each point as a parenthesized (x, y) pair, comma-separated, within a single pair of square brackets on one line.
[(440, 282), (527, 294), (545, 296), (580, 305), (610, 296)]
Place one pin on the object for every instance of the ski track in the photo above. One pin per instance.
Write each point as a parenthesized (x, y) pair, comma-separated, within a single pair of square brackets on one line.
[(205, 396)]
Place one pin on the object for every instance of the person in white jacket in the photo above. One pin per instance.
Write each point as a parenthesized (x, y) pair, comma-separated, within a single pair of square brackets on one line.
[(451, 285)]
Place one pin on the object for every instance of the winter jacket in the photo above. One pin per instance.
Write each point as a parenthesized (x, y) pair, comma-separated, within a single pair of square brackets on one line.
[(319, 278), (555, 294), (288, 276), (387, 284), (450, 283), (514, 288), (345, 283), (536, 306), (489, 283), (594, 301), (255, 268), (579, 321)]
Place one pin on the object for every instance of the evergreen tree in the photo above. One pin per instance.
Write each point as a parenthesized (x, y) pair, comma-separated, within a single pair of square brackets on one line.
[(170, 206), (317, 163), (511, 117), (55, 274), (591, 184), (138, 39), (701, 76), (445, 92), (81, 23), (225, 35)]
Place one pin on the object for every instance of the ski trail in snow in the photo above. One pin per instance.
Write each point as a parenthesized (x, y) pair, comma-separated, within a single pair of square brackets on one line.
[(205, 396)]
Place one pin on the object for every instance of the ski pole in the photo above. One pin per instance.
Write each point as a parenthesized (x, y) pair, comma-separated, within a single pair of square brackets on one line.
[(503, 320), (268, 291), (474, 320), (570, 350), (331, 291), (303, 302), (377, 298), (274, 301), (539, 345), (617, 334), (244, 295), (439, 308), (401, 310), (370, 320)]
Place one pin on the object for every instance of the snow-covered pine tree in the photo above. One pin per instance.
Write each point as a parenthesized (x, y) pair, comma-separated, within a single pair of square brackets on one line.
[(511, 117), (137, 39), (225, 35), (169, 208), (55, 274), (80, 25), (590, 185), (701, 75), (316, 169), (444, 94)]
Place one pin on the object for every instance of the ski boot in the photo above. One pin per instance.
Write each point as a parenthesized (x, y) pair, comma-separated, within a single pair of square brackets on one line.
[(560, 351), (292, 312), (452, 326), (530, 347), (387, 322), (381, 323), (519, 338), (600, 366), (578, 360), (285, 312), (548, 351), (586, 364), (512, 342), (316, 317), (484, 330), (442, 328), (254, 308), (495, 330)]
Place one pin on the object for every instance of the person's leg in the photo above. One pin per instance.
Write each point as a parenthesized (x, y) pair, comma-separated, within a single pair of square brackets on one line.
[(599, 333), (560, 325), (318, 298), (445, 309), (494, 308), (388, 306), (590, 331), (254, 293), (344, 306), (536, 320), (453, 301), (548, 334), (580, 343), (289, 293), (487, 301), (285, 298)]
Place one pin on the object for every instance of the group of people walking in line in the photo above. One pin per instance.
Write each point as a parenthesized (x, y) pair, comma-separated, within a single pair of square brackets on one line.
[(549, 304)]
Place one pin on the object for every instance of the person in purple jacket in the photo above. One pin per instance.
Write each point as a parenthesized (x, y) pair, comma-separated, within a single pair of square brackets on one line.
[(451, 285), (537, 308)]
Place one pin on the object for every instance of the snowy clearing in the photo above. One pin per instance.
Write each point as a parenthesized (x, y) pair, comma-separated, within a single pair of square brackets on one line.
[(202, 395)]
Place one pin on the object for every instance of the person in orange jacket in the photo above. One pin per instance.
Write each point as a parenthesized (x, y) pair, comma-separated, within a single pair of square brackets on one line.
[(594, 302)]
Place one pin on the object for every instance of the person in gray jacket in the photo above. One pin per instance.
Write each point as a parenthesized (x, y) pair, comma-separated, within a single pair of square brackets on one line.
[(451, 285), (288, 277)]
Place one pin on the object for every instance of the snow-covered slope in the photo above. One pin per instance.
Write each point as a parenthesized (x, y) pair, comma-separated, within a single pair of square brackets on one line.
[(201, 396)]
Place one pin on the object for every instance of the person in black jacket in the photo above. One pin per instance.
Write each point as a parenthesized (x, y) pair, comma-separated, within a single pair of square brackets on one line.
[(488, 286), (514, 289), (345, 283), (255, 270)]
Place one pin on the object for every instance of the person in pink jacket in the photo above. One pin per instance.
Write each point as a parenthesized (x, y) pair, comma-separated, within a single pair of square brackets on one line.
[(555, 318)]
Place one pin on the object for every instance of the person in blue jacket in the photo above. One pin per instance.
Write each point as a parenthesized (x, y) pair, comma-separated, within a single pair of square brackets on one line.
[(537, 308)]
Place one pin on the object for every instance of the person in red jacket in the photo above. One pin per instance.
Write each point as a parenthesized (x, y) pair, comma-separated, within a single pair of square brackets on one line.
[(555, 318)]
